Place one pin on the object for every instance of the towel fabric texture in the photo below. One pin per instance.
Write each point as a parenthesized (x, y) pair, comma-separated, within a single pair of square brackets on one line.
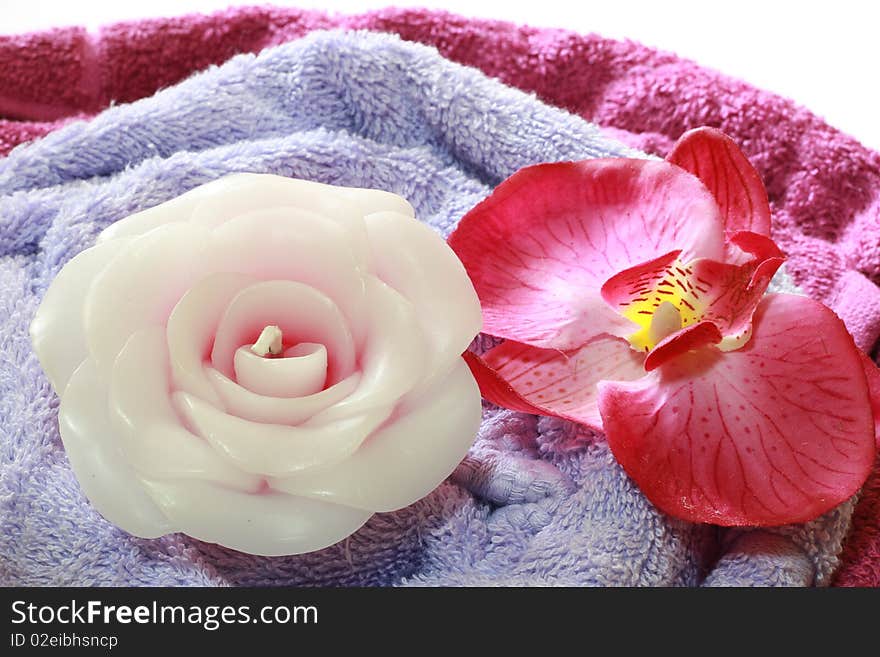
[(822, 185)]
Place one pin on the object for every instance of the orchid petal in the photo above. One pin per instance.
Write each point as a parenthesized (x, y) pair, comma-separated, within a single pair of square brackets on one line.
[(702, 290), (495, 389), (539, 248), (717, 161), (777, 432), (732, 292), (630, 286), (872, 374), (758, 245), (687, 339), (556, 382)]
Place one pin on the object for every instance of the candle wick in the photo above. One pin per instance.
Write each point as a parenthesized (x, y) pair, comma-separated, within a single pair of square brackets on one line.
[(269, 342)]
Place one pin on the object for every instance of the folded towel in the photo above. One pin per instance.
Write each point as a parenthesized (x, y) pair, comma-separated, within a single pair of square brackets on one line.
[(536, 501)]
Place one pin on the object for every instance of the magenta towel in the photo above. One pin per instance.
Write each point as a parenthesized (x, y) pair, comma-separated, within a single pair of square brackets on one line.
[(824, 186)]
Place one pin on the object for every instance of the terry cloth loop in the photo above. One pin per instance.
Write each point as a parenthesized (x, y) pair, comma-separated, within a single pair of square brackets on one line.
[(762, 557)]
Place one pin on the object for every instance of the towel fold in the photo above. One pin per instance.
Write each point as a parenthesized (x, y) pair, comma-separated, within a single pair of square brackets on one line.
[(822, 184)]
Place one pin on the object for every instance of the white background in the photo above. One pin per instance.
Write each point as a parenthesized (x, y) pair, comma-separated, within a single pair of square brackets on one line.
[(824, 55)]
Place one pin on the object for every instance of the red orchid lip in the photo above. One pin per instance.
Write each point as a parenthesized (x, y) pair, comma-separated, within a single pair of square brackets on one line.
[(687, 339), (755, 436), (632, 297)]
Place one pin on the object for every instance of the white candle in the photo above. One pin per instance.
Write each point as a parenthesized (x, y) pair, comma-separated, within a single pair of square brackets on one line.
[(262, 363), (301, 371)]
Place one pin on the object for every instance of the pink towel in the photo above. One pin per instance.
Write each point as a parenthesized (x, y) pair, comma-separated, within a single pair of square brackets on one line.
[(824, 186)]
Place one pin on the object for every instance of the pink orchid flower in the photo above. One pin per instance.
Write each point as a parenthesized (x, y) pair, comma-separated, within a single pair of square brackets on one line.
[(630, 294)]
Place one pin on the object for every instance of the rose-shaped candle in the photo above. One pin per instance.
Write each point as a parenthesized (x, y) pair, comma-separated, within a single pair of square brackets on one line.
[(262, 362)]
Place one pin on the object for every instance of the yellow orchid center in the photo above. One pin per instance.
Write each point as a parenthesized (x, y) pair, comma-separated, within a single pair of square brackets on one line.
[(677, 298), (665, 306)]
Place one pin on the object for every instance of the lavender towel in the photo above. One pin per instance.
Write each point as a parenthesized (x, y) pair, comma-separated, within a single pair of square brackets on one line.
[(537, 500)]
